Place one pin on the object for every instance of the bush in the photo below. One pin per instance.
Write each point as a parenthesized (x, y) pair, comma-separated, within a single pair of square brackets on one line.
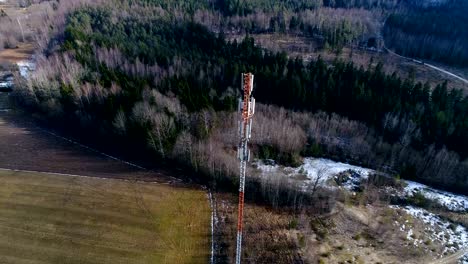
[(293, 223), (418, 199), (321, 227)]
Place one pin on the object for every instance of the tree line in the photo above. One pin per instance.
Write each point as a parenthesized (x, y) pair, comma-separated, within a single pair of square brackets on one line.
[(173, 86)]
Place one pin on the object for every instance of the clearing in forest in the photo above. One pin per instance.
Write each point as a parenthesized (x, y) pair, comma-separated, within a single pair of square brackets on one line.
[(22, 53)]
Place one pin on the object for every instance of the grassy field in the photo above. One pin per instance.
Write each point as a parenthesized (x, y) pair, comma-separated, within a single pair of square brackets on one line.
[(61, 219)]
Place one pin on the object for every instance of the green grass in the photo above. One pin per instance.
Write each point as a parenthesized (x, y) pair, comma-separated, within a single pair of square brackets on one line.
[(59, 219)]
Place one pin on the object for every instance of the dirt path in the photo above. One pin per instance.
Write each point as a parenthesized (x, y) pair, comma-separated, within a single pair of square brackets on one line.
[(421, 62), (452, 259), (430, 66)]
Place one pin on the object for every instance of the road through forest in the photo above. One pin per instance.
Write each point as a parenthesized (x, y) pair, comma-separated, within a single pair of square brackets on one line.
[(453, 75), (428, 65)]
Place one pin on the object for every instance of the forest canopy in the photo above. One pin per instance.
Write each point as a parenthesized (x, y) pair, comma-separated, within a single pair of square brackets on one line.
[(436, 32), (169, 82)]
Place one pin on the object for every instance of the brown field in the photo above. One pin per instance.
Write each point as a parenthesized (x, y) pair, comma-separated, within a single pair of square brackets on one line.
[(26, 146), (61, 219), (50, 218)]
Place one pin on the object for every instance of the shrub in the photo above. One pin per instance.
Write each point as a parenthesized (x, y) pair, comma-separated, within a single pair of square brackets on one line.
[(293, 223)]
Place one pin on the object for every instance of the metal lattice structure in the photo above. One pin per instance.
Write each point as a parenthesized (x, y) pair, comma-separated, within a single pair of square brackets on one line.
[(246, 109)]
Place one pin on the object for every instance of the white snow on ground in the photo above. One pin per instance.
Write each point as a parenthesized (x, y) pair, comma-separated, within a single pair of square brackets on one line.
[(25, 67), (314, 169), (267, 168), (464, 259), (325, 169), (6, 84), (451, 201), (452, 236), (435, 2)]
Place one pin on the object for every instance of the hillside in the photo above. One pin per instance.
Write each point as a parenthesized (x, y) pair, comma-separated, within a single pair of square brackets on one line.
[(158, 82), (162, 82)]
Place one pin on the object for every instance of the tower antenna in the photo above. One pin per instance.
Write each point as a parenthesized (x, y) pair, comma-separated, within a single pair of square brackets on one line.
[(247, 110)]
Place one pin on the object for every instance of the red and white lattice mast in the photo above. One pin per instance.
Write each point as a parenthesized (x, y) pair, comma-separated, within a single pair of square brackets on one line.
[(247, 109)]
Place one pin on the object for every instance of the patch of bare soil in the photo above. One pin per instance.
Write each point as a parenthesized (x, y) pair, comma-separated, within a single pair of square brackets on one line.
[(23, 52), (359, 234)]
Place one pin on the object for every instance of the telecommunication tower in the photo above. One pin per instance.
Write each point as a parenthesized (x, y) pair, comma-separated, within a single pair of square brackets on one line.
[(246, 109)]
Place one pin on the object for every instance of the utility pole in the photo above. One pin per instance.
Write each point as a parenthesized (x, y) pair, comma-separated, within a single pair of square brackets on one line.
[(246, 109)]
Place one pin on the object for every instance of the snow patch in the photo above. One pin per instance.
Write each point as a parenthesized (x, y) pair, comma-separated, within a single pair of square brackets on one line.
[(325, 169), (464, 259), (314, 170), (453, 237), (6, 82), (449, 200), (322, 170), (25, 68)]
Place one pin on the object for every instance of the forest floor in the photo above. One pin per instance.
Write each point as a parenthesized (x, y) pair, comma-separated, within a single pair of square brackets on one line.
[(269, 235), (307, 48)]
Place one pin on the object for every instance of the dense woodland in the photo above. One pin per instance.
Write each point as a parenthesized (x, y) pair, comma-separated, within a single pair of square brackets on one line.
[(422, 29), (333, 24), (437, 32), (172, 85)]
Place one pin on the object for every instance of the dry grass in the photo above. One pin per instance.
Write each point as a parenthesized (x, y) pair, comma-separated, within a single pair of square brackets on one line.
[(23, 52), (58, 219), (269, 235), (22, 43), (361, 234), (350, 234)]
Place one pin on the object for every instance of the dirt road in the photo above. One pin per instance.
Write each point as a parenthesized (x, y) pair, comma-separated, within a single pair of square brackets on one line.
[(430, 66)]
